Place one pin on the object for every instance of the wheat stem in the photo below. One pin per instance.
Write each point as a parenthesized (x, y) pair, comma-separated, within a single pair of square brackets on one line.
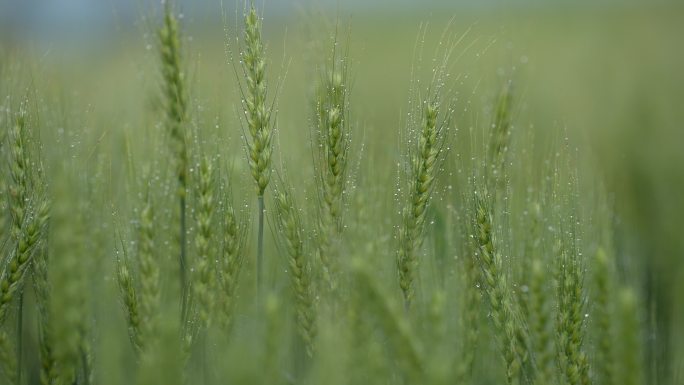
[(260, 246)]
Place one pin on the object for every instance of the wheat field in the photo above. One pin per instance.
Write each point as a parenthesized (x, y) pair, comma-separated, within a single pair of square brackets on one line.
[(265, 193)]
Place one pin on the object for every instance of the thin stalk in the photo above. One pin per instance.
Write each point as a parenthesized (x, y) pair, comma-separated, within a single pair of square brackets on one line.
[(260, 246), (20, 339), (182, 260)]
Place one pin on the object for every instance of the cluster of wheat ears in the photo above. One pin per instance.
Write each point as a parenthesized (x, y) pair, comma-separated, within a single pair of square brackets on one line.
[(469, 279)]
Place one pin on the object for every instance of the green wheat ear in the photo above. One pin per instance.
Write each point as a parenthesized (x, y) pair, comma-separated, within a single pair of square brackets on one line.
[(500, 138), (42, 288), (204, 284), (422, 177), (175, 104), (603, 310), (67, 307), (630, 340), (570, 320), (257, 114), (230, 264), (333, 130), (149, 278), (505, 313), (8, 359), (29, 211), (290, 226), (403, 338)]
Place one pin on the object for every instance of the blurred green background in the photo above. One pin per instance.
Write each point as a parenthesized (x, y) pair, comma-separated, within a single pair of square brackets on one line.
[(610, 74)]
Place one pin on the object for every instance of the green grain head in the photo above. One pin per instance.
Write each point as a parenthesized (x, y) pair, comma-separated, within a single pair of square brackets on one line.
[(257, 112)]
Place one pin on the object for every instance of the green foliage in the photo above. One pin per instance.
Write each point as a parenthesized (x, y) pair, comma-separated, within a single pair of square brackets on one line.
[(466, 248)]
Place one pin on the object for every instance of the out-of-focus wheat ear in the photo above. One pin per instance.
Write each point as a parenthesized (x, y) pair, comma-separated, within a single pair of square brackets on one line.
[(3, 202), (129, 296), (333, 130), (422, 177), (230, 265), (147, 304), (203, 285), (162, 361), (394, 323), (41, 285), (570, 319), (540, 321), (367, 356), (8, 359), (290, 226), (470, 313), (174, 92), (67, 307), (604, 318), (630, 356), (272, 337), (539, 304), (175, 104), (500, 139), (505, 317)]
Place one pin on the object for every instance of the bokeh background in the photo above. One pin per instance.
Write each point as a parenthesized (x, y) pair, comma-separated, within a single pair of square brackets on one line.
[(610, 73)]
